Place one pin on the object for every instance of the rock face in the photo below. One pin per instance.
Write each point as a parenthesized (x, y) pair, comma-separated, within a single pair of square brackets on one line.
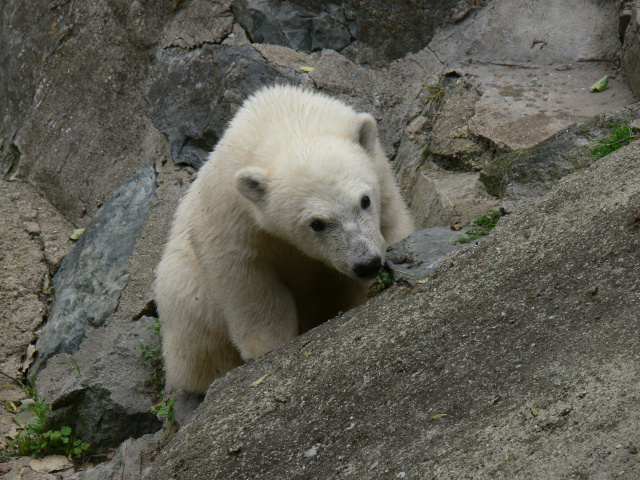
[(528, 172), (469, 373), (91, 278), (374, 33), (212, 83), (630, 33), (107, 402)]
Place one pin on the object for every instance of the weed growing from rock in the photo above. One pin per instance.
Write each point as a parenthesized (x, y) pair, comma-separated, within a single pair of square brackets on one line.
[(482, 225), (384, 281), (152, 358), (620, 134), (35, 441)]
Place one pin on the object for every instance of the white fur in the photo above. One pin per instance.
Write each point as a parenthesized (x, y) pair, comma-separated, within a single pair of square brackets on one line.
[(244, 271)]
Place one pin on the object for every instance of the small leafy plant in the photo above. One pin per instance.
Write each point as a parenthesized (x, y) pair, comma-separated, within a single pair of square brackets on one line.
[(152, 358), (164, 409), (482, 225), (620, 134), (384, 281), (36, 441)]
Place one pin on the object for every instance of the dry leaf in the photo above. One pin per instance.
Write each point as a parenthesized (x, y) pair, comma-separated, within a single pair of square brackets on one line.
[(48, 464), (600, 85), (259, 381), (77, 233)]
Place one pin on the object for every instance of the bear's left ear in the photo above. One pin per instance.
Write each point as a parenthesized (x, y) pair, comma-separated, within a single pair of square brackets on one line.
[(365, 131), (251, 182)]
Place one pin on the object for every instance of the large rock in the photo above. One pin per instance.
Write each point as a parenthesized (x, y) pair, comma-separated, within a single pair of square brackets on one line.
[(33, 239), (88, 285), (630, 19), (197, 92), (528, 173), (534, 70), (106, 402), (27, 37), (374, 33), (518, 360)]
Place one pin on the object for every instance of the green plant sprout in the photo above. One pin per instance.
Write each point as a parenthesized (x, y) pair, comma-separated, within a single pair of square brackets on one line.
[(482, 225), (35, 441), (620, 134)]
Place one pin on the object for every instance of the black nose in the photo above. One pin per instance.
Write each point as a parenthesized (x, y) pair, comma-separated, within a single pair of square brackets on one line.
[(368, 268)]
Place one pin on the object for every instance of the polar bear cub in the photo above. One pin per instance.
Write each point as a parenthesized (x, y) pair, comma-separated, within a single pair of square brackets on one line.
[(285, 226)]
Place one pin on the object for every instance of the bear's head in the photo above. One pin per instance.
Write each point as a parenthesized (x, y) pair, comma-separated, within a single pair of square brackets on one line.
[(322, 195)]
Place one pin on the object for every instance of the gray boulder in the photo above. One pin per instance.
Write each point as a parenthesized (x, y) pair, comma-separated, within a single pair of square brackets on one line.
[(197, 92), (106, 402), (91, 278), (530, 172), (374, 33)]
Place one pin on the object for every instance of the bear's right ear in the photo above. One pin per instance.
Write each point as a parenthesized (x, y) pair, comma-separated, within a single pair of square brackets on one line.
[(251, 182), (365, 132)]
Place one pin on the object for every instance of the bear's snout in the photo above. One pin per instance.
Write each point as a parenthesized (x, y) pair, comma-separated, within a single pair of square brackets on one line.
[(368, 268)]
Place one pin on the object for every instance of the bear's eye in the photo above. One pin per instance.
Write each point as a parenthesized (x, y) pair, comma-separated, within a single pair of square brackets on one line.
[(318, 225), (365, 202)]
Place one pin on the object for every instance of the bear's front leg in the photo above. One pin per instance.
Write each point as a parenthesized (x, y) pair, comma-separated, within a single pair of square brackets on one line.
[(262, 316)]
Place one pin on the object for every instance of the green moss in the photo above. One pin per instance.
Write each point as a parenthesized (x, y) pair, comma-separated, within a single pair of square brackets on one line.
[(482, 225), (620, 134)]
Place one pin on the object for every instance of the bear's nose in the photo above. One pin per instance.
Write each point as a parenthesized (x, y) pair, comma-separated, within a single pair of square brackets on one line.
[(368, 268)]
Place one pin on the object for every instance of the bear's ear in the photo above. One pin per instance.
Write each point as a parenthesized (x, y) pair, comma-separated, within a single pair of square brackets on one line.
[(365, 131), (251, 182)]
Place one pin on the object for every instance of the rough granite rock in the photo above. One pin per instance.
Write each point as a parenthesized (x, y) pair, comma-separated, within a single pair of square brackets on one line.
[(418, 256), (518, 360), (631, 48), (197, 92), (528, 173), (106, 402), (375, 33), (91, 277)]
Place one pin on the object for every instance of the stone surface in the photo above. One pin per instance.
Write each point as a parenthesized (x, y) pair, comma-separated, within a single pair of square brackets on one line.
[(418, 256), (197, 23), (25, 261), (89, 282), (509, 363), (83, 126), (631, 50), (529, 173), (105, 402), (374, 33), (534, 63), (131, 461), (196, 93)]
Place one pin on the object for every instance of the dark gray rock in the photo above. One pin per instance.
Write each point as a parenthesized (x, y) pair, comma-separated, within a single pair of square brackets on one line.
[(107, 401), (631, 48), (197, 92), (282, 23), (374, 33), (27, 37), (91, 277), (132, 459), (530, 172), (419, 255)]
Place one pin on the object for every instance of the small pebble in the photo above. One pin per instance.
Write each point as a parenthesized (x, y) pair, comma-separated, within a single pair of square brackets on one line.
[(32, 228)]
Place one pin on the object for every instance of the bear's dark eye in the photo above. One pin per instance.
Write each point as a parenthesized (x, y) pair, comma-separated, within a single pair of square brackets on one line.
[(365, 202), (318, 225)]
